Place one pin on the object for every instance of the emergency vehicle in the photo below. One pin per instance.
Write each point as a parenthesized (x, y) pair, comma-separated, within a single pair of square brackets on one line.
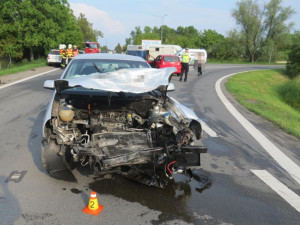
[(92, 47)]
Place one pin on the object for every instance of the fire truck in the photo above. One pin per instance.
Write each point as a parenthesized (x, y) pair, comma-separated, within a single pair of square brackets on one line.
[(92, 47)]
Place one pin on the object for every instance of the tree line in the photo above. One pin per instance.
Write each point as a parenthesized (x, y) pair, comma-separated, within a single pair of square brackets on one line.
[(30, 28), (262, 34)]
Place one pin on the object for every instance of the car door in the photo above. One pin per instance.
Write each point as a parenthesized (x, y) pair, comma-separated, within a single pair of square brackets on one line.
[(158, 61)]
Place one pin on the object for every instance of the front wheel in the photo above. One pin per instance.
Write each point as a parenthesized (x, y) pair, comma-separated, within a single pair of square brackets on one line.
[(54, 160)]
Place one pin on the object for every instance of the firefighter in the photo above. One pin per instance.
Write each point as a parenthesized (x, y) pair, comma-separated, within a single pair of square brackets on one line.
[(63, 53), (75, 50), (70, 53), (61, 47)]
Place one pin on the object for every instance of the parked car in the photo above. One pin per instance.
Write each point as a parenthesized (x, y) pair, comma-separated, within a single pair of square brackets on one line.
[(111, 113), (163, 61), (54, 57)]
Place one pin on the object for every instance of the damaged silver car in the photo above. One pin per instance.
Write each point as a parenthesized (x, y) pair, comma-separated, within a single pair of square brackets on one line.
[(112, 114)]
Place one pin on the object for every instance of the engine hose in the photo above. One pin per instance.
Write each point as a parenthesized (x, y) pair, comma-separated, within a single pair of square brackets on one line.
[(168, 166)]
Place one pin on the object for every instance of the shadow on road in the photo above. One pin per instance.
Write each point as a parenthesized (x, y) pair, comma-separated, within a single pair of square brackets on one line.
[(9, 205), (35, 139)]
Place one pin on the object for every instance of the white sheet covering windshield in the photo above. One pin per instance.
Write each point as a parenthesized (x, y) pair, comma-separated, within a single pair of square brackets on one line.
[(126, 80), (86, 67)]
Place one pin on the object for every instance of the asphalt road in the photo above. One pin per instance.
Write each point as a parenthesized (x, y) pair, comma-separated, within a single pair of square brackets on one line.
[(236, 187)]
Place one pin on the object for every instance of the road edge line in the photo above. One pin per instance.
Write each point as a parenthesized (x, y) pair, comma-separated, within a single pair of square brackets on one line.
[(283, 191), (27, 78), (284, 161)]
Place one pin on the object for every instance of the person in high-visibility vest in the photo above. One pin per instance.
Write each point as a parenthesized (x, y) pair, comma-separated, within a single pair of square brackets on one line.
[(75, 50), (70, 53), (185, 63), (63, 53)]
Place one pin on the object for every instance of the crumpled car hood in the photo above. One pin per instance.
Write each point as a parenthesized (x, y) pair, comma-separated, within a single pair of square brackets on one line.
[(125, 80)]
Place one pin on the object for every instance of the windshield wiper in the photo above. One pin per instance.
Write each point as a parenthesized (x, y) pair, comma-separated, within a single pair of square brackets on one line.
[(97, 68)]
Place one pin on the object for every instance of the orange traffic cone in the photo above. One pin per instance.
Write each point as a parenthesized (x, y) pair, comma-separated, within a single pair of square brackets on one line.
[(93, 207)]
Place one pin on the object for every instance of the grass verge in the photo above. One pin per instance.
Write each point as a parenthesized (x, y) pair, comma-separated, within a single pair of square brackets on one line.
[(262, 92), (213, 61), (23, 67)]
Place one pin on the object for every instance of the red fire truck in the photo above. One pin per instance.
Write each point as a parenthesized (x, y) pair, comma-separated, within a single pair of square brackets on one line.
[(92, 47)]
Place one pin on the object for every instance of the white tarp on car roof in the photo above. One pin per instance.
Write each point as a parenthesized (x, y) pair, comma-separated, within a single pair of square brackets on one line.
[(126, 80)]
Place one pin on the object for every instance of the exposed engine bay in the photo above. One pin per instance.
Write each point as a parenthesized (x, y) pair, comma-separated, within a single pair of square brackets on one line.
[(142, 136)]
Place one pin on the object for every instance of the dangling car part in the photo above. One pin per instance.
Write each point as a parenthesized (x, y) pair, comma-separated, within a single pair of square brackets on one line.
[(118, 122)]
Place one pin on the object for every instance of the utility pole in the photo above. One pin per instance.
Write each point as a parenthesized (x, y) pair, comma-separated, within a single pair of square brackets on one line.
[(162, 22)]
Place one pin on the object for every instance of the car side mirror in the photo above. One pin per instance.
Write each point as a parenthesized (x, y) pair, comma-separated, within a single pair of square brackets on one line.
[(171, 87), (49, 84)]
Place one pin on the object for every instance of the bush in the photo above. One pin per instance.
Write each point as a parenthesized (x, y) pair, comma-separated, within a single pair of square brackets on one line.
[(291, 93), (293, 65)]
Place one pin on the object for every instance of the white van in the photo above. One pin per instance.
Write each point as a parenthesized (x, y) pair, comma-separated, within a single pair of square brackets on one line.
[(193, 54), (155, 50)]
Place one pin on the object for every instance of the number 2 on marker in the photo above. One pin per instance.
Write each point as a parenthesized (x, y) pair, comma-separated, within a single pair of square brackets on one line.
[(92, 204)]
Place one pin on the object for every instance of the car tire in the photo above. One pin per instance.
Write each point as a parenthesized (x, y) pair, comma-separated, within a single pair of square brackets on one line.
[(54, 162)]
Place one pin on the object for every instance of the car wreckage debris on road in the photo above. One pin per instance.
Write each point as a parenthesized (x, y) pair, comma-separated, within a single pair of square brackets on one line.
[(119, 120)]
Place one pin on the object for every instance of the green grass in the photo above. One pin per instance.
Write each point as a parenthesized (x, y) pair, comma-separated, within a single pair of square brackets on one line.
[(214, 61), (263, 92), (25, 65)]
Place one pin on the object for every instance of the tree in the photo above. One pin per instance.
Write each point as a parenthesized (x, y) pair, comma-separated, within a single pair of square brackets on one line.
[(230, 48), (9, 44), (274, 27), (35, 26), (186, 37), (249, 16), (89, 34), (136, 35), (11, 48), (44, 24), (118, 48), (30, 28), (209, 39), (104, 48), (262, 27)]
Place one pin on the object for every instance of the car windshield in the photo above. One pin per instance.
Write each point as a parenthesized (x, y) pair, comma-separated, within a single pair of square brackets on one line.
[(54, 52), (84, 67), (171, 59), (91, 45)]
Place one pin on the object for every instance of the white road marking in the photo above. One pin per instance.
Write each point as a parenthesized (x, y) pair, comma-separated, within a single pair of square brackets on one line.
[(205, 127), (27, 78), (287, 194), (284, 161), (208, 130)]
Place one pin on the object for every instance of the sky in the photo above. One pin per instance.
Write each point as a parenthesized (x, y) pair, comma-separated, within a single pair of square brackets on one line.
[(117, 18)]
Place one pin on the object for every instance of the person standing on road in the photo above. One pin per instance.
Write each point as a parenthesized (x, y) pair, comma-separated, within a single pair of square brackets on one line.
[(185, 63), (63, 53), (70, 54), (75, 50)]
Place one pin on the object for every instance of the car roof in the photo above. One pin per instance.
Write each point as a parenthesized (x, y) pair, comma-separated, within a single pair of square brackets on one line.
[(109, 56), (169, 55)]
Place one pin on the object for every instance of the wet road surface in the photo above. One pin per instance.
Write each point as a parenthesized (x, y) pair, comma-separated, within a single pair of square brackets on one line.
[(227, 192)]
